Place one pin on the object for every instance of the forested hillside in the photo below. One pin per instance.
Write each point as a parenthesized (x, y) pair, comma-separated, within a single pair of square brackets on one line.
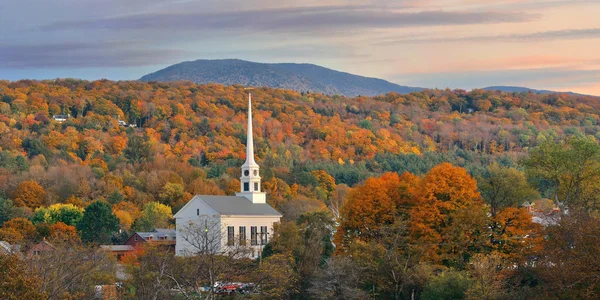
[(421, 193), (298, 77)]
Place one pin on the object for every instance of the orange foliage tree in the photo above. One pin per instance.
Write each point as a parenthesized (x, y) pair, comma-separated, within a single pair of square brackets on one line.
[(514, 235), (449, 216), (29, 193), (22, 226), (63, 233), (370, 206)]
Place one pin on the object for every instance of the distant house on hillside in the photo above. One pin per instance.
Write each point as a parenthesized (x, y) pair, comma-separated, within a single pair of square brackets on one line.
[(158, 236), (61, 118)]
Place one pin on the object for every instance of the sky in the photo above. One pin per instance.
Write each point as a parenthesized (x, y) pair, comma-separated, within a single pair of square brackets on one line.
[(542, 44)]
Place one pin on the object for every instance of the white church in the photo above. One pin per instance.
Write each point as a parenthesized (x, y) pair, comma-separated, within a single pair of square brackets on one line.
[(225, 224)]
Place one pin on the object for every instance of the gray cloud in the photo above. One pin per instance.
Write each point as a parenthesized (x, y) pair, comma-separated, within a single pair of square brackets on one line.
[(570, 34), (293, 19), (69, 55)]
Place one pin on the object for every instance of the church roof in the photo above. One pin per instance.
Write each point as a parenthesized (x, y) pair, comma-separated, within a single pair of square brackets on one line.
[(235, 205)]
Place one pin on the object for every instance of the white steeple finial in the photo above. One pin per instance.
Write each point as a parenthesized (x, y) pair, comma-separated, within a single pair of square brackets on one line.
[(250, 180)]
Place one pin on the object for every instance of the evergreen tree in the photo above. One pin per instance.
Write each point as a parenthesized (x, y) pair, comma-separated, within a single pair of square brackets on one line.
[(98, 224)]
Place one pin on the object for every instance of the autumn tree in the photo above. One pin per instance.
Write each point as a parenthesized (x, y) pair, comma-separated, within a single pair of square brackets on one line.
[(449, 219), (22, 226), (370, 206), (17, 281), (29, 194), (326, 184), (98, 223), (514, 236), (61, 232)]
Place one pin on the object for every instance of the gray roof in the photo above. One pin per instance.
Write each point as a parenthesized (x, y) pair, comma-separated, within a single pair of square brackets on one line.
[(235, 205), (168, 233)]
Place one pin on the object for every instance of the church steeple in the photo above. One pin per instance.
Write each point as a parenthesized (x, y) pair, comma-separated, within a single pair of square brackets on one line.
[(250, 179), (249, 139)]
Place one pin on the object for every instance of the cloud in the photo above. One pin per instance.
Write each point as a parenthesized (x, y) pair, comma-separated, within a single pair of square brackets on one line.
[(567, 34), (293, 19), (69, 55)]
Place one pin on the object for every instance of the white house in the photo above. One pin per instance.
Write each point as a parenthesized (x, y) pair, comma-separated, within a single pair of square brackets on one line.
[(220, 224)]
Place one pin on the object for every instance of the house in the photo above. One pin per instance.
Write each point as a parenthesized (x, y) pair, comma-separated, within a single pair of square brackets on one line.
[(118, 250), (162, 236), (61, 118), (222, 224), (40, 248)]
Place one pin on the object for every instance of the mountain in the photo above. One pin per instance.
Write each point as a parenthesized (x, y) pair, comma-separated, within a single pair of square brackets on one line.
[(518, 89), (299, 77)]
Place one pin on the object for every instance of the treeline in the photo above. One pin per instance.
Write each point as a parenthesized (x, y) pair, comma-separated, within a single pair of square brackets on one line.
[(397, 196)]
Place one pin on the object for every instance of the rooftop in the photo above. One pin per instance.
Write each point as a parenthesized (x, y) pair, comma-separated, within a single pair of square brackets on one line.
[(235, 205)]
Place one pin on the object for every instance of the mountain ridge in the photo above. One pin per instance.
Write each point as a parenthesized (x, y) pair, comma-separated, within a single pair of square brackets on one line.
[(520, 89), (302, 77)]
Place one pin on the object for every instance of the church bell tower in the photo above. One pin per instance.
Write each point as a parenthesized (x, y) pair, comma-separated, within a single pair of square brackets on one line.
[(250, 180)]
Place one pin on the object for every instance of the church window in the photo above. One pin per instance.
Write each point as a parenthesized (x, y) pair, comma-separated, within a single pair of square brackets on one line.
[(255, 172), (253, 236), (246, 173), (242, 235), (230, 235), (263, 235), (256, 186), (246, 186), (197, 212)]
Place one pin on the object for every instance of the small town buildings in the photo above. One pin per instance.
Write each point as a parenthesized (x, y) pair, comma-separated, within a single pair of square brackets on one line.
[(222, 224)]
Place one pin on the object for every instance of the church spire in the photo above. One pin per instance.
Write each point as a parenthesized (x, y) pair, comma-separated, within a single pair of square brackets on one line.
[(250, 179), (249, 139)]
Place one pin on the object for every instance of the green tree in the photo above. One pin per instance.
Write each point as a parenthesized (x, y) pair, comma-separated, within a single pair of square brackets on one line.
[(154, 215), (448, 285), (8, 210), (98, 223), (504, 187), (171, 193), (66, 213), (570, 170), (138, 149)]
